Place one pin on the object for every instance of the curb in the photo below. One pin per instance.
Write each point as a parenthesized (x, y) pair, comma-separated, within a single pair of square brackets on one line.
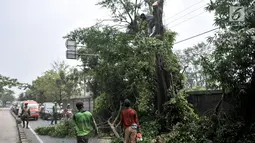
[(21, 134)]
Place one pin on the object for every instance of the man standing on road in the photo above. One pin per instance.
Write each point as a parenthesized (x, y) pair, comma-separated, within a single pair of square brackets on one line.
[(54, 117), (129, 120), (85, 124), (25, 113)]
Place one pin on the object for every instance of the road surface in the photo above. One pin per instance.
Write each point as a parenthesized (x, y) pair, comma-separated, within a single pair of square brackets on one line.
[(8, 128), (34, 138)]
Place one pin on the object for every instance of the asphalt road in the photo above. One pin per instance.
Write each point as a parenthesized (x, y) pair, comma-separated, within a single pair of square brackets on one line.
[(34, 138)]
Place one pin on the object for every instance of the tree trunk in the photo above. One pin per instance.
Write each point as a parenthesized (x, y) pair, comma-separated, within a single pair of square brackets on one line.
[(162, 91)]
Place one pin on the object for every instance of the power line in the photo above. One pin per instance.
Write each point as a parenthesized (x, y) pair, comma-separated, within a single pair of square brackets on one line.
[(196, 35), (185, 9), (185, 20), (187, 13)]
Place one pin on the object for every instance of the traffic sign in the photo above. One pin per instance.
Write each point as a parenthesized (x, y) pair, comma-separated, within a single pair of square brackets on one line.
[(71, 54), (70, 44)]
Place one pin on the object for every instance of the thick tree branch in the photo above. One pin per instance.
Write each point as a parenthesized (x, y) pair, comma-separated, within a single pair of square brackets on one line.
[(116, 118), (184, 69), (129, 15)]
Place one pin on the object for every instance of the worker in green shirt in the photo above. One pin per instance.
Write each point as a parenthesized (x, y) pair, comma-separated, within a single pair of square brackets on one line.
[(85, 124)]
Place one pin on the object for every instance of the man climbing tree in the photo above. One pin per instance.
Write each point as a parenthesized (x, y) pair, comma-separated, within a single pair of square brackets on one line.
[(150, 23)]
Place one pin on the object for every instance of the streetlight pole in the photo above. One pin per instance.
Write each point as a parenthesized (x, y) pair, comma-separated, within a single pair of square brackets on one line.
[(71, 53)]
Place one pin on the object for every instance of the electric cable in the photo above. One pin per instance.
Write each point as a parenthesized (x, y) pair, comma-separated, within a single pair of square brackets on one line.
[(184, 10), (195, 36), (185, 20), (187, 14)]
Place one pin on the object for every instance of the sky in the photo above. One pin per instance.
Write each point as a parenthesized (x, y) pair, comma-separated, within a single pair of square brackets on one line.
[(31, 31)]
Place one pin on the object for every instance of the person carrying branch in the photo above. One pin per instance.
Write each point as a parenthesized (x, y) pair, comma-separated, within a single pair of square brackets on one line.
[(129, 123)]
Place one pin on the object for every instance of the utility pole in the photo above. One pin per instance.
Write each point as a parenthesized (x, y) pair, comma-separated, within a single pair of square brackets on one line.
[(84, 79)]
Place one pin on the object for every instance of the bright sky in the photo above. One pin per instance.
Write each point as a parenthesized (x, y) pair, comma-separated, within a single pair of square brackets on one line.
[(31, 31)]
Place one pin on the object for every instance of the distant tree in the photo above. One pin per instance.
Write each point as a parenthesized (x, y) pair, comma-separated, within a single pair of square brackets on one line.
[(190, 61), (7, 95)]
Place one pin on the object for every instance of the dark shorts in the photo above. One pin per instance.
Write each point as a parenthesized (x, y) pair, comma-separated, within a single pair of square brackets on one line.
[(82, 139)]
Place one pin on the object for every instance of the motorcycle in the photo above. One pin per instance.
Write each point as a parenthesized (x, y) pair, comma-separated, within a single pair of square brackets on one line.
[(67, 113)]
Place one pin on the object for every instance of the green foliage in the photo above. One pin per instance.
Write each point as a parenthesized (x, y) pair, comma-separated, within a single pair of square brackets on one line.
[(48, 86), (190, 61), (232, 61), (7, 81), (203, 130), (7, 95), (44, 130), (125, 67), (178, 110), (196, 131), (64, 129)]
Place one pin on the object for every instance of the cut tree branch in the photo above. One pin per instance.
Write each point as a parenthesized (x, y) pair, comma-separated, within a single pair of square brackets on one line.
[(116, 118)]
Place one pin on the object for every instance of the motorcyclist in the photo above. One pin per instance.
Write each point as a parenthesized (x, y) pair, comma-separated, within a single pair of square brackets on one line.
[(61, 106), (62, 110), (68, 111)]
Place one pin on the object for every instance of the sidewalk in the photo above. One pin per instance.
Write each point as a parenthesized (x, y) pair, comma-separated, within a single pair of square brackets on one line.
[(8, 129)]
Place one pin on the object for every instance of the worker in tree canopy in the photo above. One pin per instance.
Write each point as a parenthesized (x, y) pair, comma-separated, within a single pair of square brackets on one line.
[(54, 113), (25, 115), (85, 124), (129, 123), (150, 20)]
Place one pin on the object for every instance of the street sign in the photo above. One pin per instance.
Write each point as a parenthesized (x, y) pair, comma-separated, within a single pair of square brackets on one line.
[(236, 13), (71, 54), (71, 45)]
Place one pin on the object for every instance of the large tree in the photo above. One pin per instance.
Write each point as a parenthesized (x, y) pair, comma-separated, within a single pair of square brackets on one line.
[(126, 66)]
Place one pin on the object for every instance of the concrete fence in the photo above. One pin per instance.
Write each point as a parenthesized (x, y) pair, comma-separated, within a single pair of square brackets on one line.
[(88, 103), (204, 102)]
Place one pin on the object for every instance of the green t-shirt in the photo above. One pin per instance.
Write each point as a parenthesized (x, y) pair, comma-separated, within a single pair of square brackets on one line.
[(84, 123)]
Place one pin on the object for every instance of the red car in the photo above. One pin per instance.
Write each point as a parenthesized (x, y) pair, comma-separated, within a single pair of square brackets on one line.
[(34, 108)]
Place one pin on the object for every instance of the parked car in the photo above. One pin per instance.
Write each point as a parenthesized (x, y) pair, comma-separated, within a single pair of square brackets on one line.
[(33, 106), (47, 112)]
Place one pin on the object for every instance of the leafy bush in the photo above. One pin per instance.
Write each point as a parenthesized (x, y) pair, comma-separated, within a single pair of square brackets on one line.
[(44, 130), (204, 131), (197, 131), (64, 129)]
